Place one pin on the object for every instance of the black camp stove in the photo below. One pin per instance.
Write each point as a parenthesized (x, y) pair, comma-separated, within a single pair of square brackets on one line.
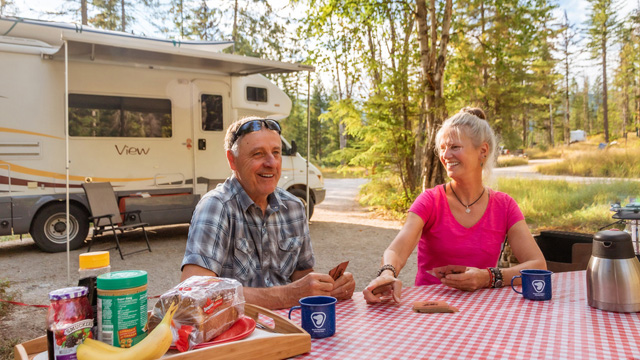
[(629, 215)]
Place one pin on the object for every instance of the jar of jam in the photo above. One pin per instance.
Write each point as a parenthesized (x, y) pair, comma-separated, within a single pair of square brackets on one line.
[(69, 322)]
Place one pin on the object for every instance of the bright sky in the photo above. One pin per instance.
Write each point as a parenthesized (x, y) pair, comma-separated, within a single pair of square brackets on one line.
[(576, 9)]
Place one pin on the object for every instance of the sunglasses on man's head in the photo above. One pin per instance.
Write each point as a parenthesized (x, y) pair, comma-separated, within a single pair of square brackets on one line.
[(255, 125)]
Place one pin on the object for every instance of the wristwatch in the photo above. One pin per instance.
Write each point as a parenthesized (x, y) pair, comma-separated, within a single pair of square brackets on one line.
[(497, 275)]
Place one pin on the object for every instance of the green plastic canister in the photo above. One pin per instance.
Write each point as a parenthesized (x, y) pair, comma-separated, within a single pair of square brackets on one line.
[(122, 307)]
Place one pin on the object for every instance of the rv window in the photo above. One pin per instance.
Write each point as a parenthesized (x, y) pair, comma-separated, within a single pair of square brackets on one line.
[(211, 112), (118, 116), (256, 94)]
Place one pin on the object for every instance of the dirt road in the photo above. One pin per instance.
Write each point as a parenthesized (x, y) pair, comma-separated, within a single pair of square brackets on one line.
[(340, 230)]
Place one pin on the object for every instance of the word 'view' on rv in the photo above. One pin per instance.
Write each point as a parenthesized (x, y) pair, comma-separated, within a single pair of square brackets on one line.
[(147, 115)]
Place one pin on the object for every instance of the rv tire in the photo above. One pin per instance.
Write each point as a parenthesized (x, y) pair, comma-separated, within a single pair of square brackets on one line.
[(49, 231), (302, 195)]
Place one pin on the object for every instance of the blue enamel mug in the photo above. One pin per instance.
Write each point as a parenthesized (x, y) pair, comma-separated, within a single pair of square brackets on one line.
[(318, 315), (536, 284)]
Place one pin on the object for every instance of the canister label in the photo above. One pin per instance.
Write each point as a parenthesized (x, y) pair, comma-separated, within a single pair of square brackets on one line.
[(122, 319)]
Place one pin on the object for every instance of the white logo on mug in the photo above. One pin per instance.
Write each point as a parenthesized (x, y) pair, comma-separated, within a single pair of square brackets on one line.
[(538, 285), (318, 319)]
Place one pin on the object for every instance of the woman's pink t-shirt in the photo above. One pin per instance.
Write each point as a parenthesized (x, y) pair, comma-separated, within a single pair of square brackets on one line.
[(445, 242)]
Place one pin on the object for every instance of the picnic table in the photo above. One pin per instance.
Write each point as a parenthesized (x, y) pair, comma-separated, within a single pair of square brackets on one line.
[(491, 324)]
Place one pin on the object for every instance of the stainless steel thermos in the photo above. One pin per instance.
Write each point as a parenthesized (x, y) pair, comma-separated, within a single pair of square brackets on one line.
[(613, 273)]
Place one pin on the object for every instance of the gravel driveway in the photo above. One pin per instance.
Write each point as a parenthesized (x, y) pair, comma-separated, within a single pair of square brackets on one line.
[(340, 230)]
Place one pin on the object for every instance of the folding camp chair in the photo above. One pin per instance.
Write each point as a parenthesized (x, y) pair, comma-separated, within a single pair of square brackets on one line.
[(106, 215)]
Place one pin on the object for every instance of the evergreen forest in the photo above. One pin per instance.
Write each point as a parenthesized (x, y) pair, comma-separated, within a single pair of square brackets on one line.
[(388, 72)]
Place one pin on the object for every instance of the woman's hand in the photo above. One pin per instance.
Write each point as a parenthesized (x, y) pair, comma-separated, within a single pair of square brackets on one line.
[(470, 280), (383, 287)]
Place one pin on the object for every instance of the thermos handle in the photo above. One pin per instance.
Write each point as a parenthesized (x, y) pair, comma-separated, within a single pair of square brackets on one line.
[(293, 308), (512, 279)]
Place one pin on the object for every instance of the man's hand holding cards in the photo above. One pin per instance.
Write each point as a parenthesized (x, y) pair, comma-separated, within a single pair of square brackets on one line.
[(343, 282), (337, 271)]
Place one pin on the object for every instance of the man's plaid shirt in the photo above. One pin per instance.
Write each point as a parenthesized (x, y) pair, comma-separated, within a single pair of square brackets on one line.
[(230, 236)]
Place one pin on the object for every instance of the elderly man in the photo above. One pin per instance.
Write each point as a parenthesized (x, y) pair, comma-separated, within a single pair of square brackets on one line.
[(250, 230)]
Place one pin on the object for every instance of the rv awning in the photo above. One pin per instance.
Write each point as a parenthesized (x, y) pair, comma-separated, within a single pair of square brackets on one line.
[(150, 54), (105, 46)]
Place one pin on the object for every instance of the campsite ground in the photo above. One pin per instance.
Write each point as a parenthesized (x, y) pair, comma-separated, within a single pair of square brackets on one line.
[(340, 230)]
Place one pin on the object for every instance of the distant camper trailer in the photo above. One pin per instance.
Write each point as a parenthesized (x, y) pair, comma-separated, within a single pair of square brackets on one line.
[(147, 115), (578, 135)]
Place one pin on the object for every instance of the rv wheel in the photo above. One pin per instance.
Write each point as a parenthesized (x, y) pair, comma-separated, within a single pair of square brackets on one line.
[(48, 228), (302, 195)]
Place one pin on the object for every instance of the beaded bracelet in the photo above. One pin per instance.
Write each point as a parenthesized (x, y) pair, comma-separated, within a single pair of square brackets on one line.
[(388, 267), (492, 279)]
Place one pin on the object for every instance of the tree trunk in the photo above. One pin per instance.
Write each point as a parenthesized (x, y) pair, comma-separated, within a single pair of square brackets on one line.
[(343, 135), (625, 108), (124, 19), (524, 130), (585, 106), (605, 107), (551, 140), (637, 102), (567, 126), (234, 33), (433, 60), (83, 12)]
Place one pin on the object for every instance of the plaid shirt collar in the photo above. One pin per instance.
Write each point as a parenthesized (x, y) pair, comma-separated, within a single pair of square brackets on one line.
[(273, 199)]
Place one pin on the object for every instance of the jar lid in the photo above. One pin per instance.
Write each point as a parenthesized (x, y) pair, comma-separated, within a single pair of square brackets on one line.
[(92, 260), (68, 293), (125, 279)]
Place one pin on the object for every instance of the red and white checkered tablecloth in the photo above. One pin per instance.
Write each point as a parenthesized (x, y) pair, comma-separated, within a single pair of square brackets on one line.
[(491, 324)]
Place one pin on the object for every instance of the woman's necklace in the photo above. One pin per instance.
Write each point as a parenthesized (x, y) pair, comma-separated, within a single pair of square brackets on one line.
[(460, 201)]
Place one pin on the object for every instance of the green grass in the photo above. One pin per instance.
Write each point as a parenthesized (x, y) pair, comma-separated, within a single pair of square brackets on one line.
[(344, 172), (6, 345), (6, 348), (9, 238), (560, 205), (5, 295), (612, 162), (504, 161), (537, 153)]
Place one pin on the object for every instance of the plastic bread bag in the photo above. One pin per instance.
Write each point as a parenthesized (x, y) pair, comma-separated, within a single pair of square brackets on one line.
[(207, 307)]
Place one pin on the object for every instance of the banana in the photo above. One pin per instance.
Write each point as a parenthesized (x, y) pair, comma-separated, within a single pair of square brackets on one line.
[(152, 347), (100, 345)]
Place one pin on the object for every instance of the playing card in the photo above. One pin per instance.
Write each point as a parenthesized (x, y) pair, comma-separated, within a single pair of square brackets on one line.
[(337, 271), (433, 307), (443, 271)]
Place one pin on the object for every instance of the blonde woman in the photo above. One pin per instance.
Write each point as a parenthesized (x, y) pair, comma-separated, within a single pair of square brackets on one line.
[(459, 227)]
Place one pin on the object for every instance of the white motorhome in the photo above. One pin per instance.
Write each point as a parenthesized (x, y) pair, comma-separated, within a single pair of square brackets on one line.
[(147, 115), (577, 135)]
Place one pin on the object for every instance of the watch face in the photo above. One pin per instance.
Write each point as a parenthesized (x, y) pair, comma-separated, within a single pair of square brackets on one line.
[(498, 283)]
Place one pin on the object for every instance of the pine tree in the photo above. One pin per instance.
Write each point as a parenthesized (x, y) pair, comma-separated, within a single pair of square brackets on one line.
[(502, 61), (625, 76), (602, 24), (568, 42)]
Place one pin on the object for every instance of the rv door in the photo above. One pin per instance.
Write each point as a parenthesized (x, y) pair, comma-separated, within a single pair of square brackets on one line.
[(211, 118)]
